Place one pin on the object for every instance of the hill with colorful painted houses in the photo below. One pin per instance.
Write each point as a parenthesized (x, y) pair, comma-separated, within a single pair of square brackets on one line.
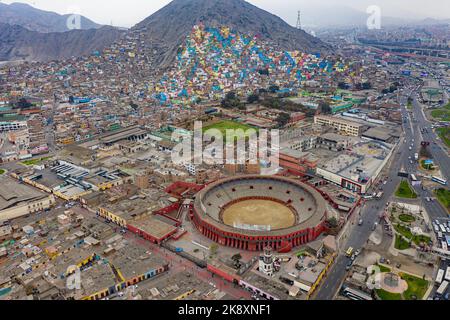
[(216, 60)]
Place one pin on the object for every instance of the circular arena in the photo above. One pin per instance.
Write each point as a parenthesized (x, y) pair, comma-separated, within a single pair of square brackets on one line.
[(251, 212)]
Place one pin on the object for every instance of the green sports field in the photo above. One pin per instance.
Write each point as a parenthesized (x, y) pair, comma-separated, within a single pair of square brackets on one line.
[(225, 125)]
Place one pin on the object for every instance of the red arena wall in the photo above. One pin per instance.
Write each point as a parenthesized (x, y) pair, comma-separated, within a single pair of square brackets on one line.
[(256, 240)]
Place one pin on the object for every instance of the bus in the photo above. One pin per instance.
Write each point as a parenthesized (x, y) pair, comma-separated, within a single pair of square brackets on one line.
[(349, 252), (447, 274), (440, 276), (442, 288), (355, 294), (439, 180)]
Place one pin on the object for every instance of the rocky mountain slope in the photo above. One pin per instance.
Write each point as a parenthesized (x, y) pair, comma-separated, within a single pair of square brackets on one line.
[(165, 31), (34, 19), (168, 28), (18, 43)]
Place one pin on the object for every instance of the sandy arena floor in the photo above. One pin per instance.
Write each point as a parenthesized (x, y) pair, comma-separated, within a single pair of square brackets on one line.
[(259, 212)]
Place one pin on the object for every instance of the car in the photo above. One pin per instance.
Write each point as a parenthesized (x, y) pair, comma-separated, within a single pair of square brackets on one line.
[(358, 252), (360, 222), (348, 266)]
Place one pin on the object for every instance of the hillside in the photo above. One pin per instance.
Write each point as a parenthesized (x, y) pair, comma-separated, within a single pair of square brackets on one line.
[(34, 19), (168, 28), (18, 43), (217, 60)]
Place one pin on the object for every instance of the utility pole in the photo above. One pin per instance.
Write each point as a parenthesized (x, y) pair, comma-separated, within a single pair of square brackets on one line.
[(299, 21)]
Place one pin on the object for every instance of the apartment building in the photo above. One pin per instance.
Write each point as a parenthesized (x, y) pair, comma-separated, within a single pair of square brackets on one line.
[(344, 126)]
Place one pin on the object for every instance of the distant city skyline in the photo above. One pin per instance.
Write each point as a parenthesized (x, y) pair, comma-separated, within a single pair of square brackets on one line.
[(112, 11)]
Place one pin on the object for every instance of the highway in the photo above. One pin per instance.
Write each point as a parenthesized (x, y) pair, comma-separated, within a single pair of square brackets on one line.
[(440, 157), (372, 209)]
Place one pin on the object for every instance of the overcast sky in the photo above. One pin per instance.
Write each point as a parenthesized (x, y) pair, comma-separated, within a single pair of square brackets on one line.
[(127, 13)]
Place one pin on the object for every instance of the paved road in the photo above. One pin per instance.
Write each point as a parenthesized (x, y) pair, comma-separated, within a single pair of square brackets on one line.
[(440, 156), (360, 234), (370, 212)]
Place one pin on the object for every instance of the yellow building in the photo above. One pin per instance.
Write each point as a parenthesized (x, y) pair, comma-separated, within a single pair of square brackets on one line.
[(18, 199), (350, 128)]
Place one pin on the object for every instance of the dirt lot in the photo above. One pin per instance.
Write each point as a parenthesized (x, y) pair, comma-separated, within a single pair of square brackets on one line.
[(259, 212)]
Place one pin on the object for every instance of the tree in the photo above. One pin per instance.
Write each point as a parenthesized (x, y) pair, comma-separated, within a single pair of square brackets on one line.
[(231, 100), (343, 85), (366, 86), (253, 98), (283, 119), (236, 257), (262, 91), (24, 103), (333, 222), (134, 105), (264, 71), (325, 107), (213, 249), (237, 260), (274, 88)]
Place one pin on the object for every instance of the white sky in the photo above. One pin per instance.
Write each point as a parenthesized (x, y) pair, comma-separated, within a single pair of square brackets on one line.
[(127, 13)]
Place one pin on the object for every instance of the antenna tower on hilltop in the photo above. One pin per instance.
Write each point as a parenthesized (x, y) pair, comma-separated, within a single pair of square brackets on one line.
[(299, 21)]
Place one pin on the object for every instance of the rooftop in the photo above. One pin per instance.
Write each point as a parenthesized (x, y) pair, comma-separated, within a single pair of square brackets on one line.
[(13, 193), (153, 226)]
